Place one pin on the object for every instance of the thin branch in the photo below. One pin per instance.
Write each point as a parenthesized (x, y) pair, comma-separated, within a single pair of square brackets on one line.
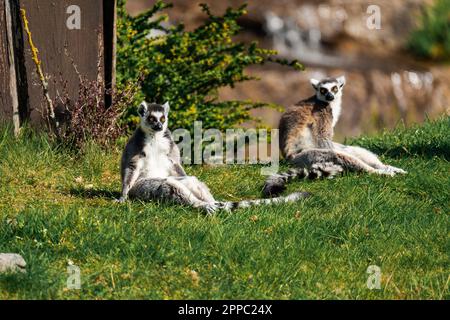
[(37, 62)]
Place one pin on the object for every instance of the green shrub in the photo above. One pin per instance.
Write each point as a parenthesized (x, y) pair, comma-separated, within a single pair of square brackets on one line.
[(432, 38), (187, 68)]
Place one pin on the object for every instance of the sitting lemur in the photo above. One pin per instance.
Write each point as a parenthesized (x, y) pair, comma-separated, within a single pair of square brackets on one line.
[(306, 133), (151, 168)]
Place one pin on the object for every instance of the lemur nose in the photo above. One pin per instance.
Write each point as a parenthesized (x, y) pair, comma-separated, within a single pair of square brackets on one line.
[(329, 97)]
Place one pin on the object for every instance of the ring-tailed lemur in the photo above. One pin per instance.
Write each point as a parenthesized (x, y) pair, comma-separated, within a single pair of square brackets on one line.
[(306, 133), (151, 168)]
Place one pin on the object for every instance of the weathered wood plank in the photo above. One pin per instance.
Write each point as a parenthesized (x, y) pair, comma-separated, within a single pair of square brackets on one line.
[(55, 41), (6, 110), (109, 27), (13, 89)]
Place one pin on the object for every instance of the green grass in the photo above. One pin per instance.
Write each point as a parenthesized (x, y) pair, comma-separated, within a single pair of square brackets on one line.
[(56, 207)]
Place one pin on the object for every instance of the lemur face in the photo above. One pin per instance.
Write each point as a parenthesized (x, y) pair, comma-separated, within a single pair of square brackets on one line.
[(328, 89), (154, 116)]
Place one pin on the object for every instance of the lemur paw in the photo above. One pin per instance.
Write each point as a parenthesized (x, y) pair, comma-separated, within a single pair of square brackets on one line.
[(395, 170), (120, 200), (210, 207), (385, 172)]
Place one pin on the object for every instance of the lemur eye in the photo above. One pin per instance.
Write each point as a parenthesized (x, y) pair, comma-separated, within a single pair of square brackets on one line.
[(152, 119), (334, 89), (323, 90), (163, 118)]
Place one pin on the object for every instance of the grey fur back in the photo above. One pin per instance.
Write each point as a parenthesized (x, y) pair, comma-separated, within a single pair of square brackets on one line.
[(155, 189)]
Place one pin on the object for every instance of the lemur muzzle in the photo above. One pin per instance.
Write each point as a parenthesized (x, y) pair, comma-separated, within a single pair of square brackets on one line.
[(158, 126), (329, 96)]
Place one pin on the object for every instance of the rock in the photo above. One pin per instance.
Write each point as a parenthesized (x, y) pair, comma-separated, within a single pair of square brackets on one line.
[(11, 262)]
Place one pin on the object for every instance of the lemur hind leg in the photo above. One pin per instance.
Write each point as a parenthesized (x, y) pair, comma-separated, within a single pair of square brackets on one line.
[(168, 189), (309, 158), (368, 157), (198, 188)]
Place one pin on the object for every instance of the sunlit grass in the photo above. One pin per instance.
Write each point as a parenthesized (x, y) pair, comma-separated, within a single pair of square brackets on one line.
[(56, 206)]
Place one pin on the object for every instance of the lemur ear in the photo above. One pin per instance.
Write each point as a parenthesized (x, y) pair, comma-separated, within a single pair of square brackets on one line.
[(314, 83), (341, 81), (166, 107), (142, 109)]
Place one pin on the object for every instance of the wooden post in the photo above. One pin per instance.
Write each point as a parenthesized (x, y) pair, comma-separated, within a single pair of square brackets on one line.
[(9, 103), (109, 27), (66, 33), (12, 70)]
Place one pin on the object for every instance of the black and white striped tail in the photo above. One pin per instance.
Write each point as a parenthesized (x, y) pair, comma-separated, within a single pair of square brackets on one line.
[(276, 183), (231, 205)]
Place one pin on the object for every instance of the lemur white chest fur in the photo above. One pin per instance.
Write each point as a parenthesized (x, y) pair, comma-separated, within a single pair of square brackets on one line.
[(308, 140), (156, 163), (336, 109)]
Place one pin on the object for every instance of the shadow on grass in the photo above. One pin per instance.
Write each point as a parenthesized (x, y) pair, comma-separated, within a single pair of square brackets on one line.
[(15, 282), (426, 151), (94, 193), (35, 283)]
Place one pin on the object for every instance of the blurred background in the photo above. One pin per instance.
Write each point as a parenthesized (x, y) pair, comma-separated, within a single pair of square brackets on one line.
[(386, 82)]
